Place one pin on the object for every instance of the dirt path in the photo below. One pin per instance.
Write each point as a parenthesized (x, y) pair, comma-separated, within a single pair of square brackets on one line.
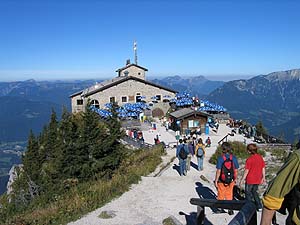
[(156, 198)]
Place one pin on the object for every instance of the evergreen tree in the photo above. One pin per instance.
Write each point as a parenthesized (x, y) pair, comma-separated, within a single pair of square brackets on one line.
[(50, 147), (72, 157), (31, 159), (42, 139), (51, 143), (64, 140), (260, 129), (90, 141), (107, 154)]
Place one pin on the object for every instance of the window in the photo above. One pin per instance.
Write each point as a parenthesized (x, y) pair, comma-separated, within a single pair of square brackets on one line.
[(158, 97), (112, 99), (124, 98), (79, 101), (138, 97), (95, 103)]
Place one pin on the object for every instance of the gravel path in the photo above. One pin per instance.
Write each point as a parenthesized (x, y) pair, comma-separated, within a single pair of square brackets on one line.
[(158, 197)]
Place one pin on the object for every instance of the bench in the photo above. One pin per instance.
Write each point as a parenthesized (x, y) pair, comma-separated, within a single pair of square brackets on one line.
[(247, 211)]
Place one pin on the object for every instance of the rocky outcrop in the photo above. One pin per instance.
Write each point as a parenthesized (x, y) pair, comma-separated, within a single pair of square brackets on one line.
[(12, 176)]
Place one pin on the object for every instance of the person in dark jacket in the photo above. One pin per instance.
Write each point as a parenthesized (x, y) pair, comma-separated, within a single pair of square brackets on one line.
[(182, 153)]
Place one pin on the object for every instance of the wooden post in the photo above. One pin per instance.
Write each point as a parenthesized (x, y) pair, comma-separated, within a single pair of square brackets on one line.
[(246, 216), (200, 215)]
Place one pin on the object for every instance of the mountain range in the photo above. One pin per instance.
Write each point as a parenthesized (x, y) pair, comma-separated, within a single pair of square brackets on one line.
[(28, 105), (197, 85), (273, 99)]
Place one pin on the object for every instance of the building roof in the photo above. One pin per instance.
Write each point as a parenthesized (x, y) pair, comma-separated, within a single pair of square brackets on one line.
[(110, 83), (186, 112), (129, 65)]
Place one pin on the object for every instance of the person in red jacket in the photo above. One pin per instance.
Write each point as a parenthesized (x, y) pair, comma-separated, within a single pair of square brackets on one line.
[(254, 175)]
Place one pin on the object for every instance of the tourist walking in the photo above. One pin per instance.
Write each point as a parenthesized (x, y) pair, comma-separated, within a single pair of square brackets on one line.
[(191, 153), (254, 175), (208, 142), (182, 153), (226, 174), (200, 153)]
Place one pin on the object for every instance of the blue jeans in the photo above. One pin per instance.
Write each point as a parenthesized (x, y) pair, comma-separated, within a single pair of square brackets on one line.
[(182, 166), (200, 163), (252, 195)]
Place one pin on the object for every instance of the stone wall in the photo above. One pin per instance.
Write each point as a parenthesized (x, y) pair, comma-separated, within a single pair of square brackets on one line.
[(133, 71), (130, 90)]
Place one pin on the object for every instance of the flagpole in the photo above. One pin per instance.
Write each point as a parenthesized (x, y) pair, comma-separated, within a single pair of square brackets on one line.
[(135, 52)]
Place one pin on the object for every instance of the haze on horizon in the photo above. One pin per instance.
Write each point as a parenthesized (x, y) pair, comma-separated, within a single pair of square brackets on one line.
[(67, 40)]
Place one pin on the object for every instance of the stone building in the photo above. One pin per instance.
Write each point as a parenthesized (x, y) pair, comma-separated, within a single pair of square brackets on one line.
[(130, 86)]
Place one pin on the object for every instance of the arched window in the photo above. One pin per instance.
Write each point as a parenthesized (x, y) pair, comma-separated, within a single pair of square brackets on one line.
[(95, 103)]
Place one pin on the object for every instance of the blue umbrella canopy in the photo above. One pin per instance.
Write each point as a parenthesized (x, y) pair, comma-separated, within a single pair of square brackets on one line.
[(108, 105), (209, 106)]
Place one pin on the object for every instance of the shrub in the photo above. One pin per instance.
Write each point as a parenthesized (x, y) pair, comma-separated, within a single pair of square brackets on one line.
[(239, 149)]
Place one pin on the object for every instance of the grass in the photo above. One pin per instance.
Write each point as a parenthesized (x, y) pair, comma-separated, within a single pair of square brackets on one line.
[(271, 171), (105, 215), (279, 154), (168, 221), (204, 178), (165, 166), (88, 196), (239, 150)]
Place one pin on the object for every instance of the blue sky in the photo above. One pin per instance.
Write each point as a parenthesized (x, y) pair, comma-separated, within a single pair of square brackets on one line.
[(83, 39)]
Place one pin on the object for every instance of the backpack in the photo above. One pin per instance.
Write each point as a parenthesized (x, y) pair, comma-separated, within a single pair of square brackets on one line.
[(182, 153), (208, 141), (200, 152), (227, 170), (191, 148)]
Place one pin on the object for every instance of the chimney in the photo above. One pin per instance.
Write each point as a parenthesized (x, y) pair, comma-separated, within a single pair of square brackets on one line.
[(127, 62)]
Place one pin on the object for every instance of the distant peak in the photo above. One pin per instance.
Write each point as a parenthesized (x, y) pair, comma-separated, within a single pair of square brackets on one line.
[(284, 75), (30, 81)]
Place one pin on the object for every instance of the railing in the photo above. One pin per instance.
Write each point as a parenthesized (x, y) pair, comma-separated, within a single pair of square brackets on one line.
[(225, 138), (246, 215), (137, 143)]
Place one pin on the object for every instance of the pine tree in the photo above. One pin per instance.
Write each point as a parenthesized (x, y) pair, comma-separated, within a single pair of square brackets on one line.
[(107, 154), (72, 157), (50, 148), (64, 134), (260, 129), (90, 141), (31, 159)]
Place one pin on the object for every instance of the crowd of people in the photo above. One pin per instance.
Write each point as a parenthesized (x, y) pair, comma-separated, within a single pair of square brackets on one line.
[(135, 134), (283, 192), (188, 148)]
